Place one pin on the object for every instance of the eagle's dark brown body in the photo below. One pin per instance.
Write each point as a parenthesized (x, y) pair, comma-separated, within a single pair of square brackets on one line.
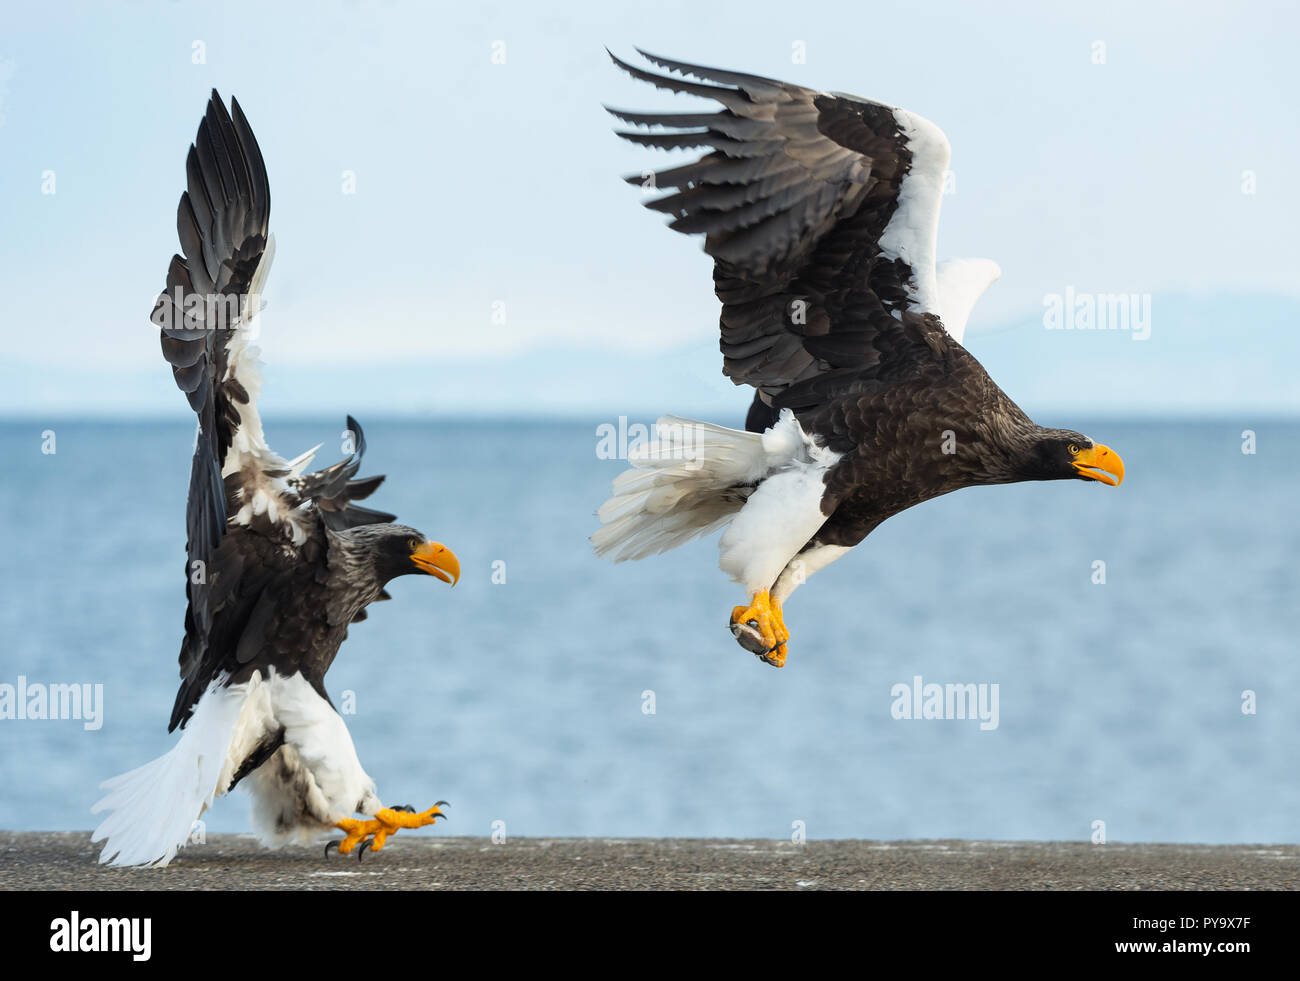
[(944, 427), (274, 605)]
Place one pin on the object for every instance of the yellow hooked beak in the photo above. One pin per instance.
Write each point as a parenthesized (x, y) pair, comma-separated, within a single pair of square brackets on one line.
[(437, 560), (1100, 462)]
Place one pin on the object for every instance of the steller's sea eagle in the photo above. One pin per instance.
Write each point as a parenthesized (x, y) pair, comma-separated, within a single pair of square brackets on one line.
[(280, 561), (821, 212)]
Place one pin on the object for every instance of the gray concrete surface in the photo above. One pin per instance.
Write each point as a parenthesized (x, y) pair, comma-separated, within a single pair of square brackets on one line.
[(67, 860)]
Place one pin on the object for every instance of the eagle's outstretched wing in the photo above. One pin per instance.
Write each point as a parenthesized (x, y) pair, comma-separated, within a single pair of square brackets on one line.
[(820, 211), (206, 316)]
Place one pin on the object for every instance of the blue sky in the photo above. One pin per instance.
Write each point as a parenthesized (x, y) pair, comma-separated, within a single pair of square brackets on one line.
[(479, 183)]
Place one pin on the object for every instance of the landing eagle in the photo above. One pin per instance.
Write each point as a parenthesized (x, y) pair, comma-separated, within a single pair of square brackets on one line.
[(279, 560)]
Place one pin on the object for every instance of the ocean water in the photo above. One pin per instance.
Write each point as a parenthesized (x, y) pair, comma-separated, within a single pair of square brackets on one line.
[(525, 701)]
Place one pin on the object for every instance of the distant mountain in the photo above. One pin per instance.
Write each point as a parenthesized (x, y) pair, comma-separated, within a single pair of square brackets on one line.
[(1205, 355)]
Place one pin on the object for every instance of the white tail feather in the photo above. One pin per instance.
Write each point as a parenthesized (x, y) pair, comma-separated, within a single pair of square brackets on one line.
[(688, 481), (154, 806)]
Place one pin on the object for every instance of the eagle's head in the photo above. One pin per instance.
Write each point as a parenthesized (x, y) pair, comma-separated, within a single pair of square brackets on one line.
[(398, 550), (1061, 454)]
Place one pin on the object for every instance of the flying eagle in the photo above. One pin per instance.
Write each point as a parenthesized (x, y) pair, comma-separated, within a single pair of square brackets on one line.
[(821, 212), (280, 561)]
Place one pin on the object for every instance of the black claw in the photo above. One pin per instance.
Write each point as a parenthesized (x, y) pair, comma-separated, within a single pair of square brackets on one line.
[(362, 850), (329, 845), (407, 808)]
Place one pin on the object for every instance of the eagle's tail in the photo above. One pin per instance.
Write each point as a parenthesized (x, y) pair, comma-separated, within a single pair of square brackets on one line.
[(688, 481), (154, 807)]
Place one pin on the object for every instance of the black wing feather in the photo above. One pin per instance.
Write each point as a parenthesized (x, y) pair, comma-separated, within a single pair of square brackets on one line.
[(221, 221), (793, 198)]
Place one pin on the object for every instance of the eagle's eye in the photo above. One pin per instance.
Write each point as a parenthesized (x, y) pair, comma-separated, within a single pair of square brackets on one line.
[(412, 544), (1073, 448)]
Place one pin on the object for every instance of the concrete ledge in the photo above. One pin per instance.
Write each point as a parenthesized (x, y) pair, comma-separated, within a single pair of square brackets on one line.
[(68, 860)]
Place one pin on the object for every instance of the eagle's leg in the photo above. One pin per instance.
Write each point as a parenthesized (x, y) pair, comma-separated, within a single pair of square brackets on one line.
[(760, 628), (371, 834)]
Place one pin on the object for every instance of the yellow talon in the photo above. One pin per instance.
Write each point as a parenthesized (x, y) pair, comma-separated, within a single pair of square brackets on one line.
[(405, 819), (764, 614), (377, 829)]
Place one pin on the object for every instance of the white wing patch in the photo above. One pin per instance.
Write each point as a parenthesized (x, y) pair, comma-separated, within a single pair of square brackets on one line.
[(249, 455), (912, 235), (913, 231)]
